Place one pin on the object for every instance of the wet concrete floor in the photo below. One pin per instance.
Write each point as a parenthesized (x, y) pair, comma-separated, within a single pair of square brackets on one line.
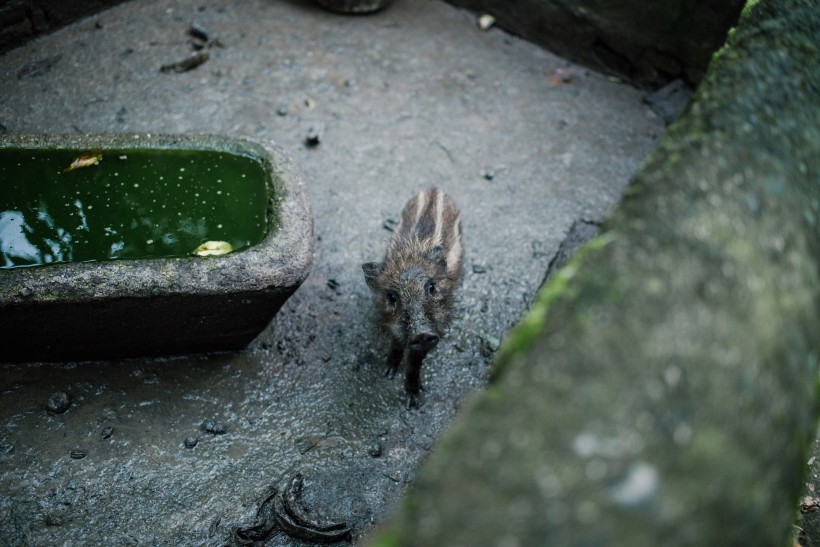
[(525, 142)]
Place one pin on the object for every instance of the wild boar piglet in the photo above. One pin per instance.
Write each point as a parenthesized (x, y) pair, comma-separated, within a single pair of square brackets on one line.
[(414, 285)]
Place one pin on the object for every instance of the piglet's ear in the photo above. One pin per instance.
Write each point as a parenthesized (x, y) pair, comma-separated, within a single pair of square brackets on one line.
[(372, 271), (436, 256)]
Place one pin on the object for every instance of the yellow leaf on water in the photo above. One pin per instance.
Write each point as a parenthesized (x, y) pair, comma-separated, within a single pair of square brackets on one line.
[(85, 160), (213, 248)]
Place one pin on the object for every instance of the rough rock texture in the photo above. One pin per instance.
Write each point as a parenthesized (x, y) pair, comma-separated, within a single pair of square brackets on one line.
[(646, 42), (663, 389), (21, 20)]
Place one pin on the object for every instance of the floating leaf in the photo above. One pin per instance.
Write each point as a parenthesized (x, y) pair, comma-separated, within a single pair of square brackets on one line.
[(85, 160), (213, 248)]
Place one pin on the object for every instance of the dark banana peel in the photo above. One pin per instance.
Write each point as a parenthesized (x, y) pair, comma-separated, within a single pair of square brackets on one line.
[(307, 533), (265, 523), (293, 518), (295, 509)]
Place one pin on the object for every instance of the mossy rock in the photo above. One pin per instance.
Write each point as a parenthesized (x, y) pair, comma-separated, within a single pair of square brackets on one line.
[(663, 389)]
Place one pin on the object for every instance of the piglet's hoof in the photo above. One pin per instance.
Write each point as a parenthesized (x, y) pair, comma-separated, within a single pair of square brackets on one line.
[(412, 401)]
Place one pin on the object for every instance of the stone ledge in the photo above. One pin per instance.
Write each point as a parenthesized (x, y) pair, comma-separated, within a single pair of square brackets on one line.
[(162, 305)]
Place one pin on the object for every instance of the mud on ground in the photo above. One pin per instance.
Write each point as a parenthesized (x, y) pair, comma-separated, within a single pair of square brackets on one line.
[(417, 95)]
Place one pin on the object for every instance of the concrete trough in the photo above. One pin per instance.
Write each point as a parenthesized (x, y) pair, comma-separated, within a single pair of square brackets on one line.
[(72, 310)]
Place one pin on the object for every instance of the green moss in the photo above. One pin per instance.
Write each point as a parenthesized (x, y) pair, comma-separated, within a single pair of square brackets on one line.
[(389, 537), (750, 5), (558, 286)]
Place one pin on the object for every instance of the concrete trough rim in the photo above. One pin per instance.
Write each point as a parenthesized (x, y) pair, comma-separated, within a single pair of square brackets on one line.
[(290, 236)]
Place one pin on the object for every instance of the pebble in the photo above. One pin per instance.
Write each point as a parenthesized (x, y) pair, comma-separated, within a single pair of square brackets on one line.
[(486, 21), (6, 448), (53, 520), (314, 135), (375, 450), (390, 224), (333, 285), (106, 433), (58, 402), (489, 344), (78, 454), (191, 442), (479, 269), (218, 428), (199, 32)]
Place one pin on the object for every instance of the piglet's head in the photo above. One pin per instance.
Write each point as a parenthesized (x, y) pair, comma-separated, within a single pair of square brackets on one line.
[(413, 294)]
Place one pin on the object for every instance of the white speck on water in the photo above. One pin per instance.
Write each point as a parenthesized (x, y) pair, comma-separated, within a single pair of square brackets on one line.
[(219, 226), (585, 445), (682, 434), (595, 470), (150, 241), (587, 512), (638, 486)]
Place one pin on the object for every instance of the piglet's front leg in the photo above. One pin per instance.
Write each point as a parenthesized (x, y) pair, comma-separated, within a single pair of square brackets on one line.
[(412, 379), (394, 358)]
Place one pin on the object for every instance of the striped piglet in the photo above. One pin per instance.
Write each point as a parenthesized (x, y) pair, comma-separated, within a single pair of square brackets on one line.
[(415, 282)]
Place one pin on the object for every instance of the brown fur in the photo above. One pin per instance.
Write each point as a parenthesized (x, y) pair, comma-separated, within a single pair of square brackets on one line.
[(415, 283)]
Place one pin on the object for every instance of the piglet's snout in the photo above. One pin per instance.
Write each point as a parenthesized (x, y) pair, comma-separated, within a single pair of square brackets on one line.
[(424, 341)]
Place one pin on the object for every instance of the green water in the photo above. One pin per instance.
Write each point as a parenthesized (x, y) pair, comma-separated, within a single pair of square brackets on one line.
[(132, 204)]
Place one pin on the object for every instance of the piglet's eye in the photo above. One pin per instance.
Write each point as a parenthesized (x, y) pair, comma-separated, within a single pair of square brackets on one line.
[(392, 297), (430, 288)]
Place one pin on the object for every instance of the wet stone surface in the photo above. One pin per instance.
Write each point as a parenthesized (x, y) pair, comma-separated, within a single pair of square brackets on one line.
[(413, 96)]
